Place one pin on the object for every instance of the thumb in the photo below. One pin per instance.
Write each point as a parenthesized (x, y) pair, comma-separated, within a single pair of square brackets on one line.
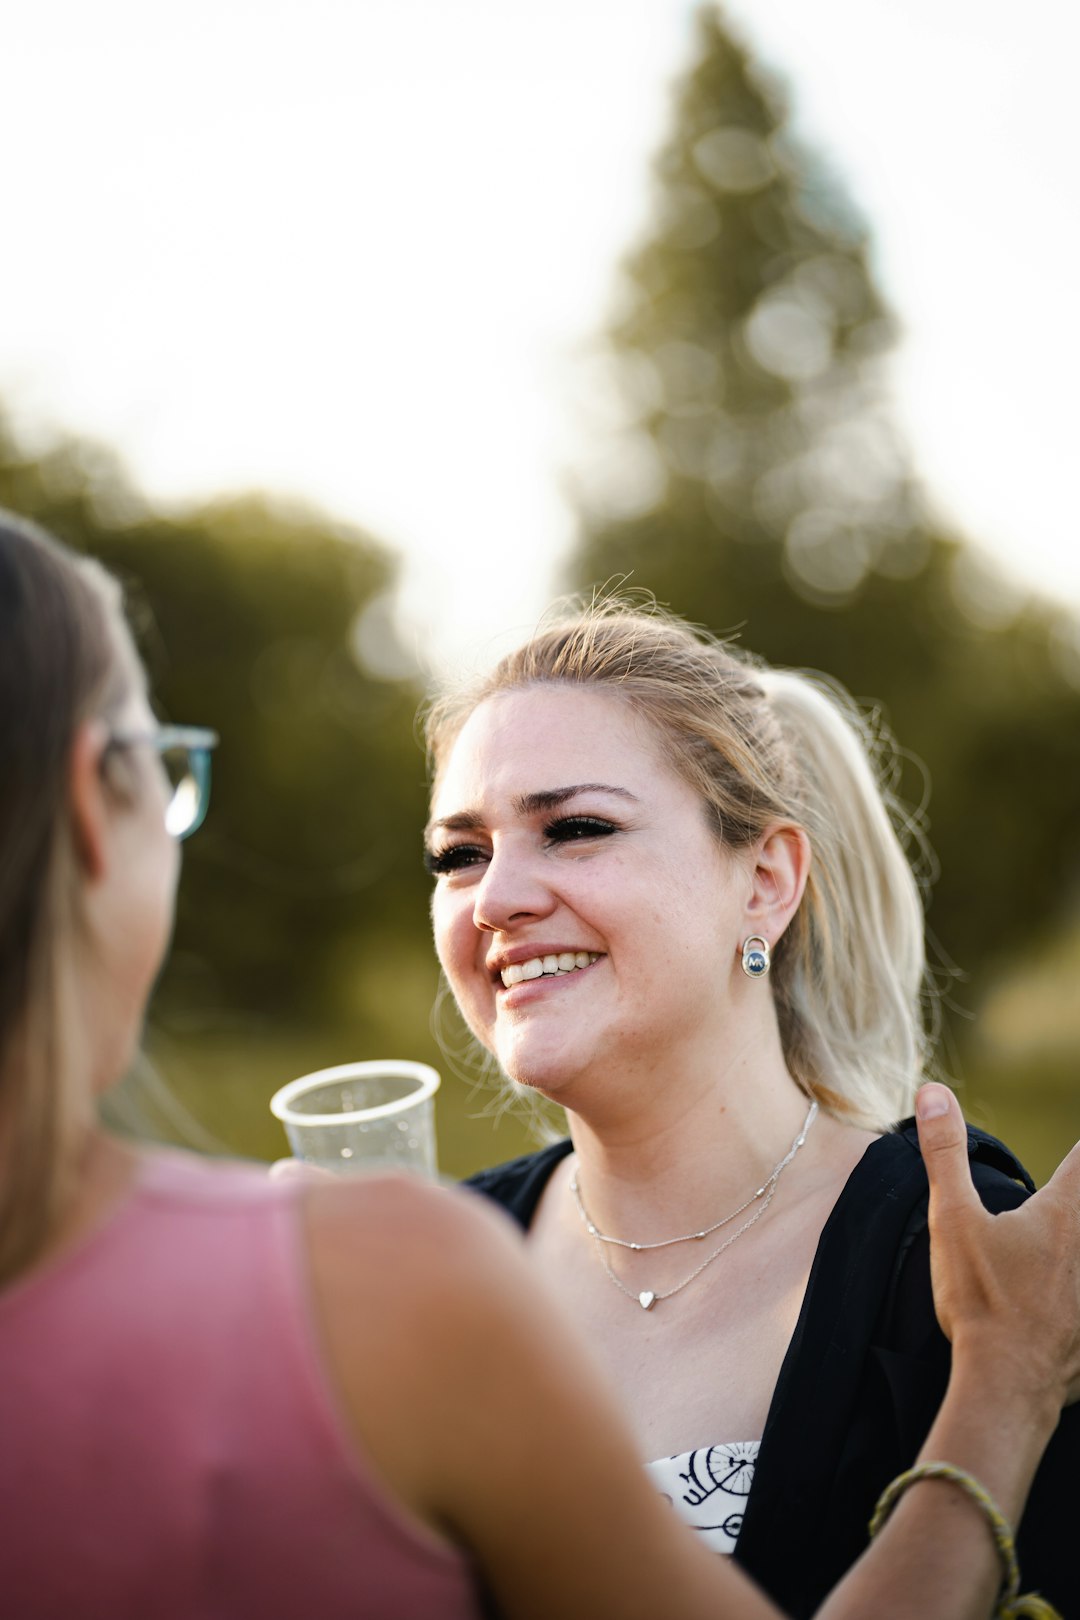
[(943, 1143)]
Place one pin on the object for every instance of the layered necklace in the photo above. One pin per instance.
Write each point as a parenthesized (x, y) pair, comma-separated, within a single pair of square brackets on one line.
[(758, 1200)]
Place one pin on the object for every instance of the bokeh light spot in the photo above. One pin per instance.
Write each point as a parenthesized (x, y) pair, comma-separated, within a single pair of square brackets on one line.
[(825, 560), (788, 338), (982, 593), (734, 159)]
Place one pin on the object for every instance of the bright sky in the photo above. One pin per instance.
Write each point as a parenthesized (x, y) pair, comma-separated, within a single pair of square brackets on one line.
[(352, 249)]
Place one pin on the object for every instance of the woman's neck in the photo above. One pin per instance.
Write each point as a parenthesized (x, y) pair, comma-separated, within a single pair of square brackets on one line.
[(101, 1178), (692, 1153)]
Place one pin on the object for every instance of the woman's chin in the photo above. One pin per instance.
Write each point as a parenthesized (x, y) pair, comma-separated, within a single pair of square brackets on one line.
[(570, 1084), (549, 1078)]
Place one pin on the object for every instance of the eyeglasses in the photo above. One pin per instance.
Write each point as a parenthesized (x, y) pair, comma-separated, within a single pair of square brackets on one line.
[(185, 755)]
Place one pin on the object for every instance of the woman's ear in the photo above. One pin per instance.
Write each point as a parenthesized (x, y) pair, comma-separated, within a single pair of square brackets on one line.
[(87, 797), (781, 866)]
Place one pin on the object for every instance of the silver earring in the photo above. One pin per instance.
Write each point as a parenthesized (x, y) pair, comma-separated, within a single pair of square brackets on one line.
[(756, 957)]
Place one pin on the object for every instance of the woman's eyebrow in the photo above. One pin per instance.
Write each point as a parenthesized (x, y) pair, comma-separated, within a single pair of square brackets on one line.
[(461, 821), (527, 804), (550, 798)]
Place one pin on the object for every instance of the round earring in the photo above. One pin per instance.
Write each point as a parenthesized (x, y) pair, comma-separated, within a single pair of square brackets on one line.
[(756, 957)]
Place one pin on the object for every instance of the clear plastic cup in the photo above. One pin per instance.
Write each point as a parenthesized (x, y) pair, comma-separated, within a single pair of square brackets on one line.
[(362, 1116)]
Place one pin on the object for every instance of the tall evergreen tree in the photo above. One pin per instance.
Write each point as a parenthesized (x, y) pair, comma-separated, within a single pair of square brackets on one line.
[(756, 483), (750, 353)]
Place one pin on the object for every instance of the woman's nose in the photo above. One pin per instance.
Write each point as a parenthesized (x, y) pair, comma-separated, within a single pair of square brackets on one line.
[(512, 890)]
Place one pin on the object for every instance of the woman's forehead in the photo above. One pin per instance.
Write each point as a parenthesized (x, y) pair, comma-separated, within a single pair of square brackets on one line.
[(548, 736)]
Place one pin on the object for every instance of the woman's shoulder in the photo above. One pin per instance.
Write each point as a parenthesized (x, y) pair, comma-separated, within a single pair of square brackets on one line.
[(517, 1184), (875, 1248), (998, 1174), (872, 1266), (386, 1242), (174, 1175)]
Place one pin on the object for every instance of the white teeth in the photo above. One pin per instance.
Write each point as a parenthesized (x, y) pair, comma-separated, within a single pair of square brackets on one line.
[(543, 966)]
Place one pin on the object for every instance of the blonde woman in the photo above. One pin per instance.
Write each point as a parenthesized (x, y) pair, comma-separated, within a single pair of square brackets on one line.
[(218, 1394), (669, 896)]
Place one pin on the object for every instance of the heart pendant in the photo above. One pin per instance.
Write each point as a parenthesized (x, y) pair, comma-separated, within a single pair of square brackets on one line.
[(646, 1300)]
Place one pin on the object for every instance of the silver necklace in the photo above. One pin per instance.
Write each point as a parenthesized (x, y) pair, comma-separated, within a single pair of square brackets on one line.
[(761, 1199)]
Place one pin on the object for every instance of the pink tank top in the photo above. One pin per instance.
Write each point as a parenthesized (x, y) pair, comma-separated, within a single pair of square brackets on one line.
[(170, 1447)]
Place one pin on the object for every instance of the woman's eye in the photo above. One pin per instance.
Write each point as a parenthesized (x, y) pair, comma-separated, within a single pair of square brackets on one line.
[(572, 829), (452, 859)]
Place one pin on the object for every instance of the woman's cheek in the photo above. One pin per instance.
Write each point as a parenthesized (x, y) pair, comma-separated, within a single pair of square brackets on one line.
[(455, 939)]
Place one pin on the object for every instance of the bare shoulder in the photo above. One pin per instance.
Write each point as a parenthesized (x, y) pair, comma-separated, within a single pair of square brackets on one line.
[(398, 1265), (462, 1380), (418, 1292), (394, 1231)]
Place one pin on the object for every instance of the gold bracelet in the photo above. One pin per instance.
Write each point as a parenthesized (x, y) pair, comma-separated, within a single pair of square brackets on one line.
[(1009, 1605)]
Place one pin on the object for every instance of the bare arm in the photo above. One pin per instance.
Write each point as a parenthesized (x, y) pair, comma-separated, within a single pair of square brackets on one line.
[(487, 1419), (485, 1415)]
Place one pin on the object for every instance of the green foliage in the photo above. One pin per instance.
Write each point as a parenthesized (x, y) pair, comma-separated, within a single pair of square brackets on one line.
[(248, 616), (756, 484), (302, 937)]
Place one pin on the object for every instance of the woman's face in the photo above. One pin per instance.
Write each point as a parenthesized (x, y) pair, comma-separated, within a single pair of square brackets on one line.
[(133, 903), (586, 917)]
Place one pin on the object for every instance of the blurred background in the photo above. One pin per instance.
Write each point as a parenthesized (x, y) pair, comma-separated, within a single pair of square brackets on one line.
[(349, 332)]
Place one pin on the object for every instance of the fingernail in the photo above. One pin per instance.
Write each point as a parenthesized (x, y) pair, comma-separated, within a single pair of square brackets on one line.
[(931, 1102)]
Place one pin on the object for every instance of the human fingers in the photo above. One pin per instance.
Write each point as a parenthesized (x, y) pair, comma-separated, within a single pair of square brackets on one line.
[(296, 1170), (1057, 1237), (943, 1143), (961, 1272), (1006, 1287)]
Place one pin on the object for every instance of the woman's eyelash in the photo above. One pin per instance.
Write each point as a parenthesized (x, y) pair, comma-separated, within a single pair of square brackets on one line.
[(563, 830), (566, 829), (437, 862)]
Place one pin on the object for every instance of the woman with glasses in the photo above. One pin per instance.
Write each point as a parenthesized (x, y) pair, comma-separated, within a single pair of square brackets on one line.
[(184, 752), (224, 1396)]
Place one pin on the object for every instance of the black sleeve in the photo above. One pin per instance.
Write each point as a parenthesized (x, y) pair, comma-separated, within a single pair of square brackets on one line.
[(516, 1186)]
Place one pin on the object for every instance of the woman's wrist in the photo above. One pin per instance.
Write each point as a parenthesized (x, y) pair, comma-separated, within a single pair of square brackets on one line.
[(994, 1425), (1013, 1381)]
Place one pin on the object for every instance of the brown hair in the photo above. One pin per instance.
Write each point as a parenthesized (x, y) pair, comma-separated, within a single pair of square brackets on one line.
[(759, 746), (65, 656)]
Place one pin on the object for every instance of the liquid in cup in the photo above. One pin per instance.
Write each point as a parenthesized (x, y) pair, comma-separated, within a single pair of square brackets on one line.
[(378, 1115)]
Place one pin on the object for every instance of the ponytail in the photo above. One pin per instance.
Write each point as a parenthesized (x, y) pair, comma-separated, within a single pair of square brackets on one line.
[(849, 972)]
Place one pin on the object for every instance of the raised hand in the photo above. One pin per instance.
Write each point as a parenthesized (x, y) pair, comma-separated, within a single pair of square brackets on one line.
[(1005, 1285)]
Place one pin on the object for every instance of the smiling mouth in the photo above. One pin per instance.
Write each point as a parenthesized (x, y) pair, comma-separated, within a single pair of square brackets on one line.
[(544, 967)]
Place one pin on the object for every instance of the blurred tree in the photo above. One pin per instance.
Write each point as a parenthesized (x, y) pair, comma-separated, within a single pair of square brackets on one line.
[(752, 478), (266, 622), (302, 935)]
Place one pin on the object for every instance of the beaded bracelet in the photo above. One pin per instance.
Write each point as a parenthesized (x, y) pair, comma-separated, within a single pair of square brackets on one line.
[(1009, 1605)]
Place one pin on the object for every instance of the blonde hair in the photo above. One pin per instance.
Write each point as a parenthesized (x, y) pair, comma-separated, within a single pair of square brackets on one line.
[(65, 656), (764, 745)]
